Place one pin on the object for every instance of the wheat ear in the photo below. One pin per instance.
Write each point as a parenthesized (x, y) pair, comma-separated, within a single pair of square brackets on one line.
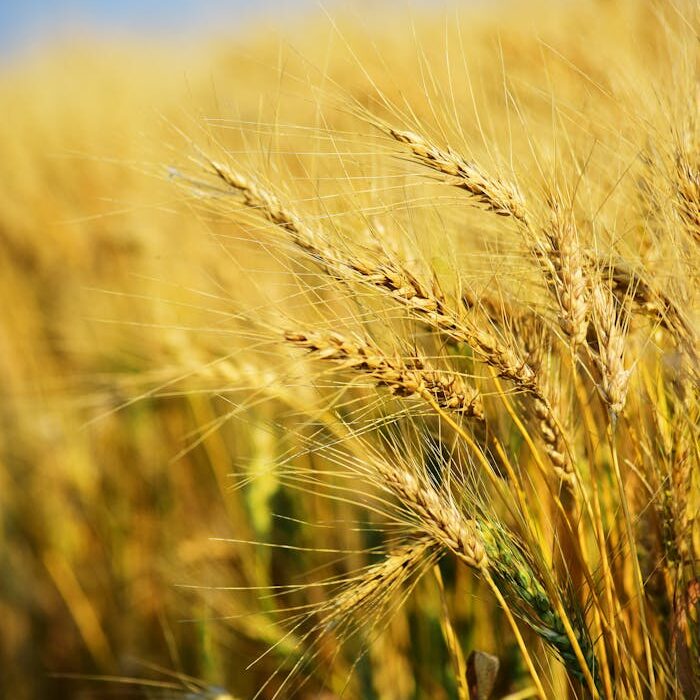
[(496, 195), (375, 582), (560, 254), (412, 376), (610, 348)]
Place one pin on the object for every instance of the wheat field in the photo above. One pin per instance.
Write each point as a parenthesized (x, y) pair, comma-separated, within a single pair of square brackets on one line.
[(355, 361)]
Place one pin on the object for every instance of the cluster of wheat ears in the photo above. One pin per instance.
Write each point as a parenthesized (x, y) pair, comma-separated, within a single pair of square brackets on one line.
[(544, 432)]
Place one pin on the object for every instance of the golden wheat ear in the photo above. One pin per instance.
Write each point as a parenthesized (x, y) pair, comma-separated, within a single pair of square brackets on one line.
[(496, 195), (412, 376)]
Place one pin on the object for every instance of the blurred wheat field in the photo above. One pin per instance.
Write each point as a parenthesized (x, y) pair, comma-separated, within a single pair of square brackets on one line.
[(338, 365)]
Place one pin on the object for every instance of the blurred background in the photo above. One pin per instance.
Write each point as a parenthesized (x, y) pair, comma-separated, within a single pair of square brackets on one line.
[(111, 483)]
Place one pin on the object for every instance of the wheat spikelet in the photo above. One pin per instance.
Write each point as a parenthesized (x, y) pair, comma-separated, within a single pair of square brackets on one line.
[(681, 511), (555, 443), (493, 307)]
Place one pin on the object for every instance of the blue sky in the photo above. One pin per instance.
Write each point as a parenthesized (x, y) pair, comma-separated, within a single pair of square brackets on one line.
[(29, 23), (26, 25)]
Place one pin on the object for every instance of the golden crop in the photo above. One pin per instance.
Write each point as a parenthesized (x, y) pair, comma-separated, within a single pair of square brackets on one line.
[(341, 365)]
